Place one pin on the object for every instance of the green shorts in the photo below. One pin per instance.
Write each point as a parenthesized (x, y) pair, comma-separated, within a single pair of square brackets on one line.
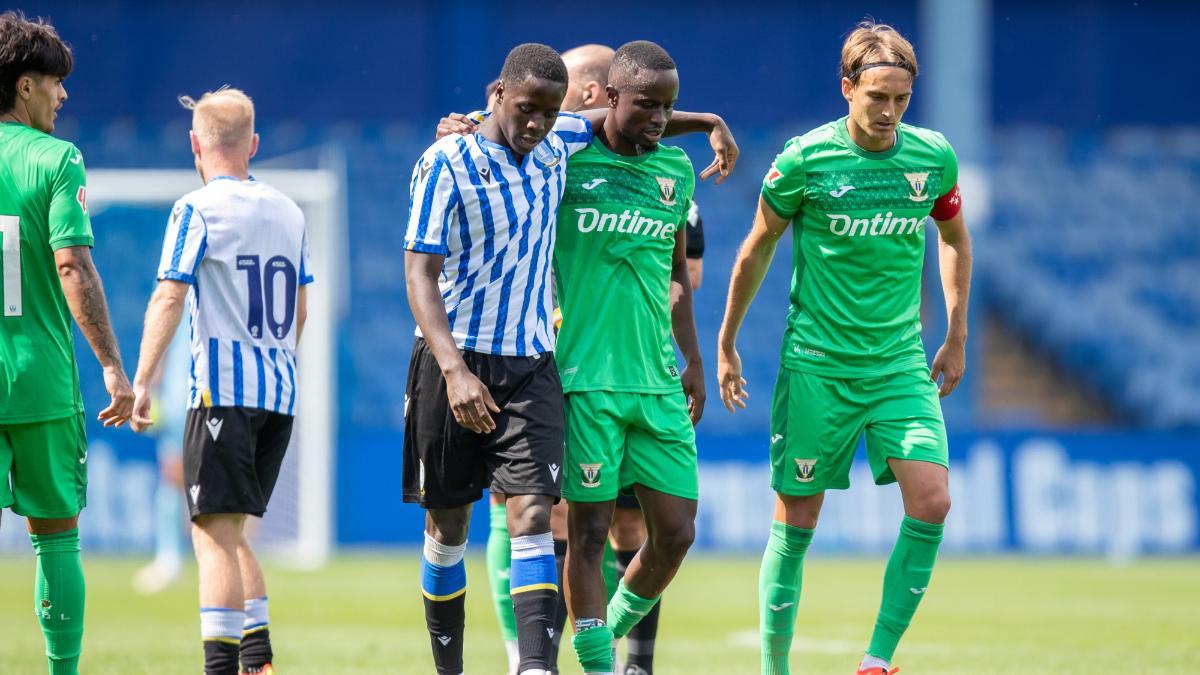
[(43, 468), (816, 423), (618, 439)]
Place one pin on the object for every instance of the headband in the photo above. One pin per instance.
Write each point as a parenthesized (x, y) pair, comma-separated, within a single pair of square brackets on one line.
[(880, 64)]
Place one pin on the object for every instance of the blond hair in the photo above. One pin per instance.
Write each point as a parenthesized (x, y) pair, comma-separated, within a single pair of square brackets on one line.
[(873, 44), (223, 118)]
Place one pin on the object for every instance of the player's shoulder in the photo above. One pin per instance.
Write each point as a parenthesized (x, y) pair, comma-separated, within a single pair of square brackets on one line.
[(797, 148), (442, 150), (51, 152), (921, 136), (569, 121), (676, 160)]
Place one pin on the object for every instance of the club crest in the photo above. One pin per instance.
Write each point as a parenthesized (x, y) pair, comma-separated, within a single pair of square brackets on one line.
[(805, 470), (590, 473), (919, 184), (546, 155), (666, 190)]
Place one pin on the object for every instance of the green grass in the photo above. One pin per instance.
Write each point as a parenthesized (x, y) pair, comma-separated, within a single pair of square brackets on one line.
[(363, 615)]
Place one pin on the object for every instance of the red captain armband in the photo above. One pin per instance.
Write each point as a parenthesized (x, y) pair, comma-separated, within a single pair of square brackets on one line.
[(948, 205)]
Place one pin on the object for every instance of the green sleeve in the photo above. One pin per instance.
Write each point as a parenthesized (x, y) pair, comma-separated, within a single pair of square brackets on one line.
[(950, 176), (69, 221), (783, 186)]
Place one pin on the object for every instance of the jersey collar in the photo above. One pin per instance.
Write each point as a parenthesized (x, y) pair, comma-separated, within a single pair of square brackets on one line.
[(844, 134)]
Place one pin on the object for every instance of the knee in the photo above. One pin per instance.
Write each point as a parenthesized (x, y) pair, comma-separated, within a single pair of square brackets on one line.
[(448, 526), (628, 530), (528, 516), (932, 507), (672, 543)]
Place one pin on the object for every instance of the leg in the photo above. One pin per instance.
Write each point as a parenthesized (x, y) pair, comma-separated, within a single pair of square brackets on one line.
[(222, 614), (588, 524), (558, 530), (781, 575), (926, 492), (168, 524), (626, 536), (534, 579), (499, 563), (444, 584), (59, 591), (255, 649)]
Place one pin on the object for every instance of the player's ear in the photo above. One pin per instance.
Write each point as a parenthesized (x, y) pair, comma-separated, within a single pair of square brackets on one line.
[(195, 140), (611, 91), (25, 85), (847, 89), (499, 95), (254, 145)]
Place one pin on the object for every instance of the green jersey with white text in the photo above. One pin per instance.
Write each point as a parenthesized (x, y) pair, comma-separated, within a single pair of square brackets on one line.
[(612, 261), (43, 208), (858, 221)]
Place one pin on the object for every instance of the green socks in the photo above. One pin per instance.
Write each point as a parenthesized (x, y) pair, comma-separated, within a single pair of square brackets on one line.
[(626, 609), (58, 598), (779, 593), (594, 647), (904, 582), (499, 563)]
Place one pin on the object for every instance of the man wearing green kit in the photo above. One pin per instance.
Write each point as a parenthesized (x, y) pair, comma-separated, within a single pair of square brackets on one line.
[(856, 192), (622, 280), (47, 277)]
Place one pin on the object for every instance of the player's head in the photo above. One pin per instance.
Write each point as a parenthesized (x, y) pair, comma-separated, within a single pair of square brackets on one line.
[(222, 126), (34, 61), (878, 69), (489, 94), (642, 87), (587, 76), (529, 96)]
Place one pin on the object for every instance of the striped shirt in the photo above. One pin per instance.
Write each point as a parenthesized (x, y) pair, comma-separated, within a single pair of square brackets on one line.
[(242, 247), (493, 217)]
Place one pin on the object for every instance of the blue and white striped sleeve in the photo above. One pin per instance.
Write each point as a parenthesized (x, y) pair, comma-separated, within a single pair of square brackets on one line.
[(574, 130), (306, 275), (184, 244), (432, 197)]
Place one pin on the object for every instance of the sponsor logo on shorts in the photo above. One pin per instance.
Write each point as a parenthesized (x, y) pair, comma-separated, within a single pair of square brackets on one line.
[(194, 491), (214, 427), (590, 473), (805, 470), (554, 472)]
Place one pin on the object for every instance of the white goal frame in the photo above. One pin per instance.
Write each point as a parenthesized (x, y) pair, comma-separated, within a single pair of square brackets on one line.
[(320, 194)]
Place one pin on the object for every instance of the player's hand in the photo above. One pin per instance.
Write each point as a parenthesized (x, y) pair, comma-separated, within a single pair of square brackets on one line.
[(726, 149), (949, 363), (142, 419), (455, 123), (470, 401), (692, 380), (121, 407), (729, 376)]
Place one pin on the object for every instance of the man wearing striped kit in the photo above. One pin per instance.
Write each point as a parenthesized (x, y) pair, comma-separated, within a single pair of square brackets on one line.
[(238, 249)]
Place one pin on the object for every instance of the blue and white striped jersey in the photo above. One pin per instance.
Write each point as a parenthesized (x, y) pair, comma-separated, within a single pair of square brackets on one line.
[(243, 247), (493, 218)]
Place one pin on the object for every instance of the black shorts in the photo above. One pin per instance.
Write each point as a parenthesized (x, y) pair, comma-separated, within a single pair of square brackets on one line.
[(627, 499), (231, 458), (447, 465)]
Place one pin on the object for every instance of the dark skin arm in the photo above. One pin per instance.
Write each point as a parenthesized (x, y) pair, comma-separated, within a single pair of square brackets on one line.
[(470, 400), (683, 327), (85, 296), (724, 147)]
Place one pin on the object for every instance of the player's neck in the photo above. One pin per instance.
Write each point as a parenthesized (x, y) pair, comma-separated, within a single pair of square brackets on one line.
[(491, 131), (232, 169), (865, 141), (611, 137), (17, 116)]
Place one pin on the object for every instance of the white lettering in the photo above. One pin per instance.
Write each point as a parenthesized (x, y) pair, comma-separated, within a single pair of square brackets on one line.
[(834, 219), (881, 224), (583, 216)]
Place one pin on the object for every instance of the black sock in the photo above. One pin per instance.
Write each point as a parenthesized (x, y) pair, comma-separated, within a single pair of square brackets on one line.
[(535, 613), (560, 618), (445, 620), (256, 650), (220, 658)]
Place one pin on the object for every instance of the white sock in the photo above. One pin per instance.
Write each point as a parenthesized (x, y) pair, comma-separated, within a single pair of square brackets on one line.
[(443, 555), (514, 654), (872, 662), (257, 616)]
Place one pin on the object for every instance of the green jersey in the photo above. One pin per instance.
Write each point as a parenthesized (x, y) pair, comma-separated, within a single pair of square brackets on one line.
[(858, 246), (43, 207), (612, 262)]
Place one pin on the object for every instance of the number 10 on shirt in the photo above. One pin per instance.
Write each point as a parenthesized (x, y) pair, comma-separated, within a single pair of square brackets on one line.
[(260, 283)]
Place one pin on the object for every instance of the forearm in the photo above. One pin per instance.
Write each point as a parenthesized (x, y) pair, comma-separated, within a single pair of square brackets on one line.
[(683, 319), (84, 292), (158, 329), (749, 269), (955, 268), (689, 122), (430, 314)]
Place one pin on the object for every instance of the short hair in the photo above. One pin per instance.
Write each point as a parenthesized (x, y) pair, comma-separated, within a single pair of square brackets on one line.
[(639, 55), (533, 60), (871, 44), (593, 61), (223, 118), (29, 47), (490, 89)]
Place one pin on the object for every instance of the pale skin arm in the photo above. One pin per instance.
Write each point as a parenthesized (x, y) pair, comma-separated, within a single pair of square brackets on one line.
[(683, 327), (84, 292), (751, 265), (469, 398), (162, 320), (954, 264), (301, 311)]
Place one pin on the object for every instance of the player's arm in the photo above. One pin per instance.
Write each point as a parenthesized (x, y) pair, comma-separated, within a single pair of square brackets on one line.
[(751, 265), (683, 327), (469, 398), (954, 264), (725, 148), (84, 292), (162, 320), (301, 311)]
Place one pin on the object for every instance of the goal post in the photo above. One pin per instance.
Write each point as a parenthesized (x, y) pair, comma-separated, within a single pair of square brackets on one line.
[(299, 524)]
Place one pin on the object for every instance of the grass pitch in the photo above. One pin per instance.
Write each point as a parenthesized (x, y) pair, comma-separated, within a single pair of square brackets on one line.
[(362, 614)]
